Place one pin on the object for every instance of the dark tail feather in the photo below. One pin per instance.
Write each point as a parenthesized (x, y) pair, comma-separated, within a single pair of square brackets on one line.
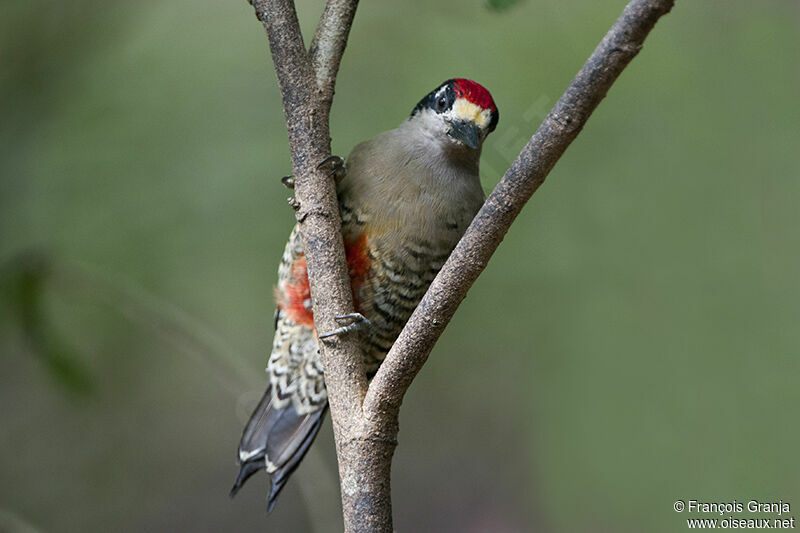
[(276, 440)]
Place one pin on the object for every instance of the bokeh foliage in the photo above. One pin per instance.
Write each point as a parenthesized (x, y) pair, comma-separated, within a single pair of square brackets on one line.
[(633, 342)]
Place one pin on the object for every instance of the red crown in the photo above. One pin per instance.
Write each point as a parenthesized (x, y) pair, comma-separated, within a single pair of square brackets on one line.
[(474, 92)]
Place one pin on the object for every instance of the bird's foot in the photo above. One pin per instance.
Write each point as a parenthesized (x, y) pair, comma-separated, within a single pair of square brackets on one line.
[(357, 321), (336, 165)]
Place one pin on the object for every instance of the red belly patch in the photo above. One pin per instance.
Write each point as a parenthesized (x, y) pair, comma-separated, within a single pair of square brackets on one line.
[(296, 296)]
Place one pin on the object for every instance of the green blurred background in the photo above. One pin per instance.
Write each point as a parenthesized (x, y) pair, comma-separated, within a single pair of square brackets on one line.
[(634, 340)]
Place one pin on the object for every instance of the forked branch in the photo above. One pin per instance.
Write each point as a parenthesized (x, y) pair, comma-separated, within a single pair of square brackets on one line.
[(365, 417), (306, 81)]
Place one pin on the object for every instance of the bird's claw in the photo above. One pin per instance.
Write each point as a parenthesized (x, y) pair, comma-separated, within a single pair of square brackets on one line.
[(334, 161), (337, 166), (357, 321)]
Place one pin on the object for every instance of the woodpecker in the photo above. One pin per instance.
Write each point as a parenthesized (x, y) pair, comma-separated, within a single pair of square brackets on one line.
[(405, 199)]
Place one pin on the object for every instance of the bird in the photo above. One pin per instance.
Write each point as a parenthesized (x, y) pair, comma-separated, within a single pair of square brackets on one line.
[(405, 199)]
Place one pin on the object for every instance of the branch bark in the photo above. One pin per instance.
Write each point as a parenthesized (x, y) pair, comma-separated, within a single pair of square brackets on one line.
[(365, 416), (306, 81)]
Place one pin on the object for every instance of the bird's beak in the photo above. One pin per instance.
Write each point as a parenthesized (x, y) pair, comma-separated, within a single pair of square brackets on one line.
[(466, 132)]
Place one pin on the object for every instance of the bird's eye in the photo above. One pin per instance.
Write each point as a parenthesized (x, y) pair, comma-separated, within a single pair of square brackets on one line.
[(441, 103)]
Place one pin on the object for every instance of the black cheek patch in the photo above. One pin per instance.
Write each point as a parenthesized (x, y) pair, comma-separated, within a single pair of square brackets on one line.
[(429, 102), (494, 121)]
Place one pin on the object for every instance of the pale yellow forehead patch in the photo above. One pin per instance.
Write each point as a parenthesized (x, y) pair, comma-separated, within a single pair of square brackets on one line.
[(463, 109)]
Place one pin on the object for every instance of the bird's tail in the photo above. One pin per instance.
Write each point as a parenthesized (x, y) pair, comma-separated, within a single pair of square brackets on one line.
[(275, 439)]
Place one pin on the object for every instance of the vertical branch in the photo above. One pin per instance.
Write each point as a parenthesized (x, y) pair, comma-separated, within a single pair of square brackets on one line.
[(307, 119), (329, 41), (307, 84)]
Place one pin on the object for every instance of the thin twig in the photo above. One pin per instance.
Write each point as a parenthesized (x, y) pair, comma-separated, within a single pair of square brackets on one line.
[(329, 41)]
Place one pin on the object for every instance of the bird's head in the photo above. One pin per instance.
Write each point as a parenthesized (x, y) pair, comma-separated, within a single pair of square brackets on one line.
[(460, 111)]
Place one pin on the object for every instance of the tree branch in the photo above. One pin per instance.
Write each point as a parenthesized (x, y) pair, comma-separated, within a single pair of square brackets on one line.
[(365, 417), (306, 82), (306, 107), (620, 45), (329, 41)]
